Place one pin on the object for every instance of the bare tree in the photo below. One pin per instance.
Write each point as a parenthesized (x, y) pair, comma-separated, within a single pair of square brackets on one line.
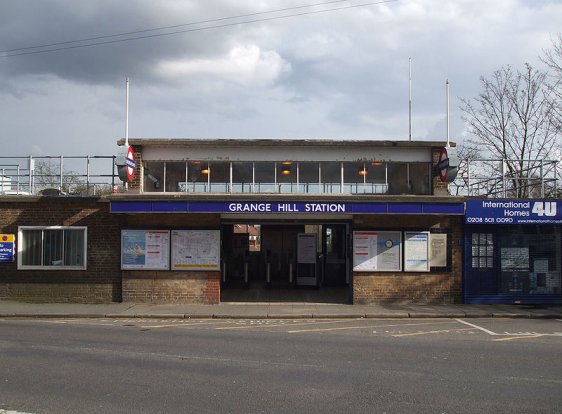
[(47, 174), (553, 60), (512, 120)]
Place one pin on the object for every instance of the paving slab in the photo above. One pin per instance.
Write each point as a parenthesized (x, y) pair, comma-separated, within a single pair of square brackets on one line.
[(390, 315), (240, 316), (289, 316)]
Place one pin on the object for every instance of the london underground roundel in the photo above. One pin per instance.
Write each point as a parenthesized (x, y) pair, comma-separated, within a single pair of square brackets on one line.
[(131, 164), (443, 164), (126, 165), (448, 165)]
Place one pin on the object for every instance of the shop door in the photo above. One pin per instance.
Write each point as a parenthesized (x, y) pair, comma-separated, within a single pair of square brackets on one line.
[(335, 254)]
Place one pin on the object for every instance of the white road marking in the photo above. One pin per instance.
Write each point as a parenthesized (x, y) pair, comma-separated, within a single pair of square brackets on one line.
[(477, 327), (432, 332), (11, 412)]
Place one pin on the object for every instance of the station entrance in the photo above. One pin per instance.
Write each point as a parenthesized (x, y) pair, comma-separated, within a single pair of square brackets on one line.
[(286, 262)]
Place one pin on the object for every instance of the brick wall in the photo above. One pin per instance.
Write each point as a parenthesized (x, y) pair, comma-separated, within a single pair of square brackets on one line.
[(171, 287), (431, 287), (101, 282)]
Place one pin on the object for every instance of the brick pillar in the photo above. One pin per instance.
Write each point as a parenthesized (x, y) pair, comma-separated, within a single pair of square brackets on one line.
[(136, 184), (212, 290), (439, 187)]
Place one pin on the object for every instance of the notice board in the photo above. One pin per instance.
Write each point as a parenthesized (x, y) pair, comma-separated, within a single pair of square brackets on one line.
[(416, 251), (306, 248), (145, 249), (377, 251), (438, 250), (196, 249)]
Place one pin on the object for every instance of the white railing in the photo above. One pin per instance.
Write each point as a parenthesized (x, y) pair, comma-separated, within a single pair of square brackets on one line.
[(79, 175), (508, 178)]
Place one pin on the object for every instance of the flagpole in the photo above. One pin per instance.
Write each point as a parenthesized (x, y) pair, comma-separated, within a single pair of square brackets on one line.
[(127, 113), (410, 99)]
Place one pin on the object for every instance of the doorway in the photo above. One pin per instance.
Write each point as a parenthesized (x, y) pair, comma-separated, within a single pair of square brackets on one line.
[(277, 262)]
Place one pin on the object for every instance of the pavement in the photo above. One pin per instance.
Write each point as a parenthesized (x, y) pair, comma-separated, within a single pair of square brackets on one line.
[(273, 310)]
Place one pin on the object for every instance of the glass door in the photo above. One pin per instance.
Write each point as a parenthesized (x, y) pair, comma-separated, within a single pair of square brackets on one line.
[(335, 255)]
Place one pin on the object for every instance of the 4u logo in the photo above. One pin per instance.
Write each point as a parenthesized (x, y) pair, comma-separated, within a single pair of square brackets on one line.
[(544, 208)]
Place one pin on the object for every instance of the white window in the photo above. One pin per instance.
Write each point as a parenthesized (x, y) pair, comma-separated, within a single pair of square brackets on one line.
[(52, 247)]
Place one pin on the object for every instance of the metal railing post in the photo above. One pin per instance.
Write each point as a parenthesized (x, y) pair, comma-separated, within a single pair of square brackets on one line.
[(88, 175), (468, 176), (542, 179), (503, 178), (31, 174), (18, 179), (61, 174)]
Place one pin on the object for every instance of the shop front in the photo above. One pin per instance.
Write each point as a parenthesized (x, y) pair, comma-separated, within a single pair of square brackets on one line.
[(513, 251)]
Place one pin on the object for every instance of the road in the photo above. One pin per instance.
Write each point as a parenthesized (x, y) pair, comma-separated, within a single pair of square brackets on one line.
[(280, 366)]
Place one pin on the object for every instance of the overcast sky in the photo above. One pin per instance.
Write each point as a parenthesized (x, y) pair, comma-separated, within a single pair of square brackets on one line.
[(336, 75)]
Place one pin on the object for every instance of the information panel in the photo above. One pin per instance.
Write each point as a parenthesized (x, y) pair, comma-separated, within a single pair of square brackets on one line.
[(438, 250), (416, 251), (377, 251), (145, 249), (196, 249)]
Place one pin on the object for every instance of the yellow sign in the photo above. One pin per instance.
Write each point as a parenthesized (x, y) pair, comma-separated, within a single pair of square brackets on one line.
[(8, 238)]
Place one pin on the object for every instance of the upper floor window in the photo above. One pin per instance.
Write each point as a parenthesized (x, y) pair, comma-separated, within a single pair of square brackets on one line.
[(332, 177)]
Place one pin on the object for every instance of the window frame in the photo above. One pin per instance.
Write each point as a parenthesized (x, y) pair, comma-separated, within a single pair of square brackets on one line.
[(22, 266)]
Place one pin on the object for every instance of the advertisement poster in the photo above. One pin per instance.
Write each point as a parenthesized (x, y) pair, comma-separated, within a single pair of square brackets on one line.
[(416, 251), (145, 249), (195, 249), (376, 251), (515, 258)]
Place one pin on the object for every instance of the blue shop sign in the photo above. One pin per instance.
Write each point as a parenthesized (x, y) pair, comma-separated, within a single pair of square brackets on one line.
[(513, 212)]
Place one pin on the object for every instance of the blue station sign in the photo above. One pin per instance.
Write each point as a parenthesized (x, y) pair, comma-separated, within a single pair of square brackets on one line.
[(513, 212), (284, 207)]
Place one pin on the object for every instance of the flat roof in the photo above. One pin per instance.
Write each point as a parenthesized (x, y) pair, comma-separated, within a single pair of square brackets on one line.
[(267, 142)]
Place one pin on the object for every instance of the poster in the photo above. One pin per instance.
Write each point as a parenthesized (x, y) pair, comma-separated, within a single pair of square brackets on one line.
[(145, 249), (515, 258), (195, 249), (438, 250), (377, 251), (416, 251), (306, 248), (541, 266)]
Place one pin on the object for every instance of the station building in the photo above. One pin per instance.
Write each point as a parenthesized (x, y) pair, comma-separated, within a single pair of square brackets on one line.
[(205, 221)]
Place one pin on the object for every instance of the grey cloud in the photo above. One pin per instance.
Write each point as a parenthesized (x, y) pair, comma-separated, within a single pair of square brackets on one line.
[(347, 77)]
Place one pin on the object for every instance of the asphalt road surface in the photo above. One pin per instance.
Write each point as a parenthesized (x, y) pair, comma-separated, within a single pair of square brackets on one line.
[(281, 366)]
